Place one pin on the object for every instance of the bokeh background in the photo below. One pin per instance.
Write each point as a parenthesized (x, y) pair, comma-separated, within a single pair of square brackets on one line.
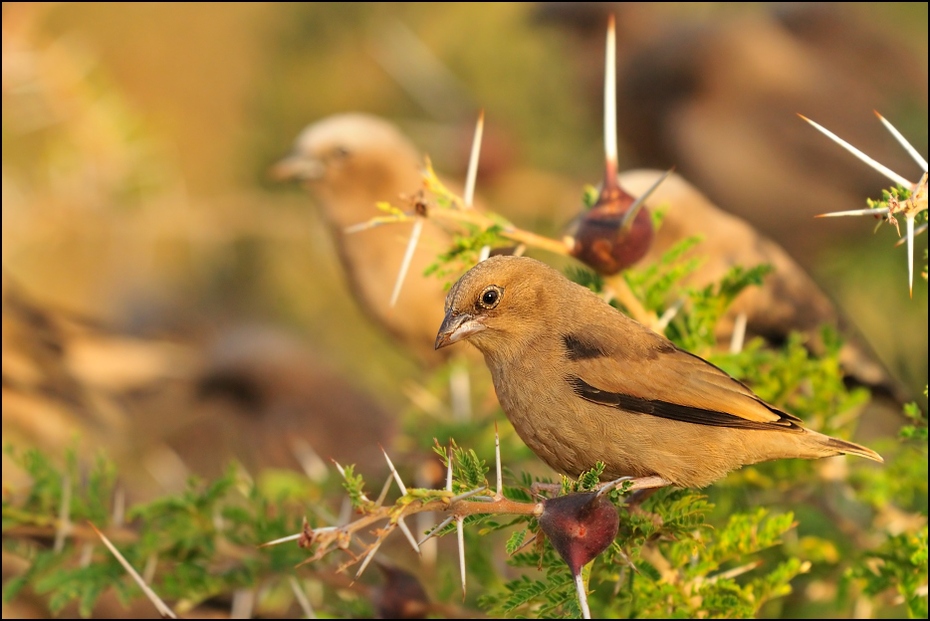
[(137, 207)]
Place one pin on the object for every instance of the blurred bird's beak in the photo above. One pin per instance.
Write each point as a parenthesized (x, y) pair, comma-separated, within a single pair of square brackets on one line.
[(456, 327), (297, 168)]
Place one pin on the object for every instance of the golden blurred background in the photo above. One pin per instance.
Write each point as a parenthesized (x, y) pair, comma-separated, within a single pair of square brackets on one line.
[(139, 214)]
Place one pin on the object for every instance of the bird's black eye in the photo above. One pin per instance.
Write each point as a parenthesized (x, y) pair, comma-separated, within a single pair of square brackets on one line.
[(339, 153), (490, 297)]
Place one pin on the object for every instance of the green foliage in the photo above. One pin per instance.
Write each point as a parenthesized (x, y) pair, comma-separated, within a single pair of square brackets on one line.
[(190, 536), (465, 251), (900, 564)]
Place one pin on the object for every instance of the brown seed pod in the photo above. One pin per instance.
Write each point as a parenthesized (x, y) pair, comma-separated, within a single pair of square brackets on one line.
[(580, 526), (611, 237)]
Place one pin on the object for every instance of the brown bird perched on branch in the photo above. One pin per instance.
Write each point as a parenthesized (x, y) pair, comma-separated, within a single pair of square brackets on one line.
[(350, 162), (582, 383)]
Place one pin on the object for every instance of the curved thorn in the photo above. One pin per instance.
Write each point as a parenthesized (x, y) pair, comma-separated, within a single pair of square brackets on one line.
[(638, 204), (606, 487)]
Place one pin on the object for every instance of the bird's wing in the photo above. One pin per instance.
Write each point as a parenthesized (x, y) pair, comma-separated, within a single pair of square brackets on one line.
[(649, 375)]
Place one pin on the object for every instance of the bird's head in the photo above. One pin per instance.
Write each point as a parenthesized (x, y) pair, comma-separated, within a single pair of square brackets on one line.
[(351, 155), (501, 304)]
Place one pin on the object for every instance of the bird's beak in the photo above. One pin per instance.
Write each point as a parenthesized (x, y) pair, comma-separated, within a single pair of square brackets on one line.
[(457, 326), (297, 168)]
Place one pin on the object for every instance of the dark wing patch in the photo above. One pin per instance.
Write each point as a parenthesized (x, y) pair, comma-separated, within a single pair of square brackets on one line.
[(675, 411), (577, 348)]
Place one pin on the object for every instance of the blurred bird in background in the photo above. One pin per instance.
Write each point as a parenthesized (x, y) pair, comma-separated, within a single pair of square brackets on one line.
[(351, 162), (718, 98), (787, 300)]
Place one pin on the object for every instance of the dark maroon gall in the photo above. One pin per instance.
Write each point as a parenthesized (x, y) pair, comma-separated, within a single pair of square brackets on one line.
[(580, 526), (606, 239)]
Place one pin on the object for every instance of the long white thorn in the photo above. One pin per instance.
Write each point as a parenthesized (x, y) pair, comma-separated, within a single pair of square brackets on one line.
[(369, 556), (854, 212), (384, 491), (449, 471), (582, 596), (610, 94), (460, 534), (400, 483), (151, 566), (159, 604), (342, 471), (404, 529), (469, 493), (436, 529), (408, 257), (903, 142), (668, 315), (64, 514), (881, 168), (471, 178), (739, 334), (310, 462), (302, 600), (280, 540), (909, 219), (920, 230), (499, 492)]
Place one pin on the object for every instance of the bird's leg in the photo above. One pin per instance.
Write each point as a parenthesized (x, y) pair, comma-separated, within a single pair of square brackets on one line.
[(636, 484)]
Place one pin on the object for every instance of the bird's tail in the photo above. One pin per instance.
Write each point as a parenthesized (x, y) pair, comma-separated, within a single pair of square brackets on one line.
[(851, 448)]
